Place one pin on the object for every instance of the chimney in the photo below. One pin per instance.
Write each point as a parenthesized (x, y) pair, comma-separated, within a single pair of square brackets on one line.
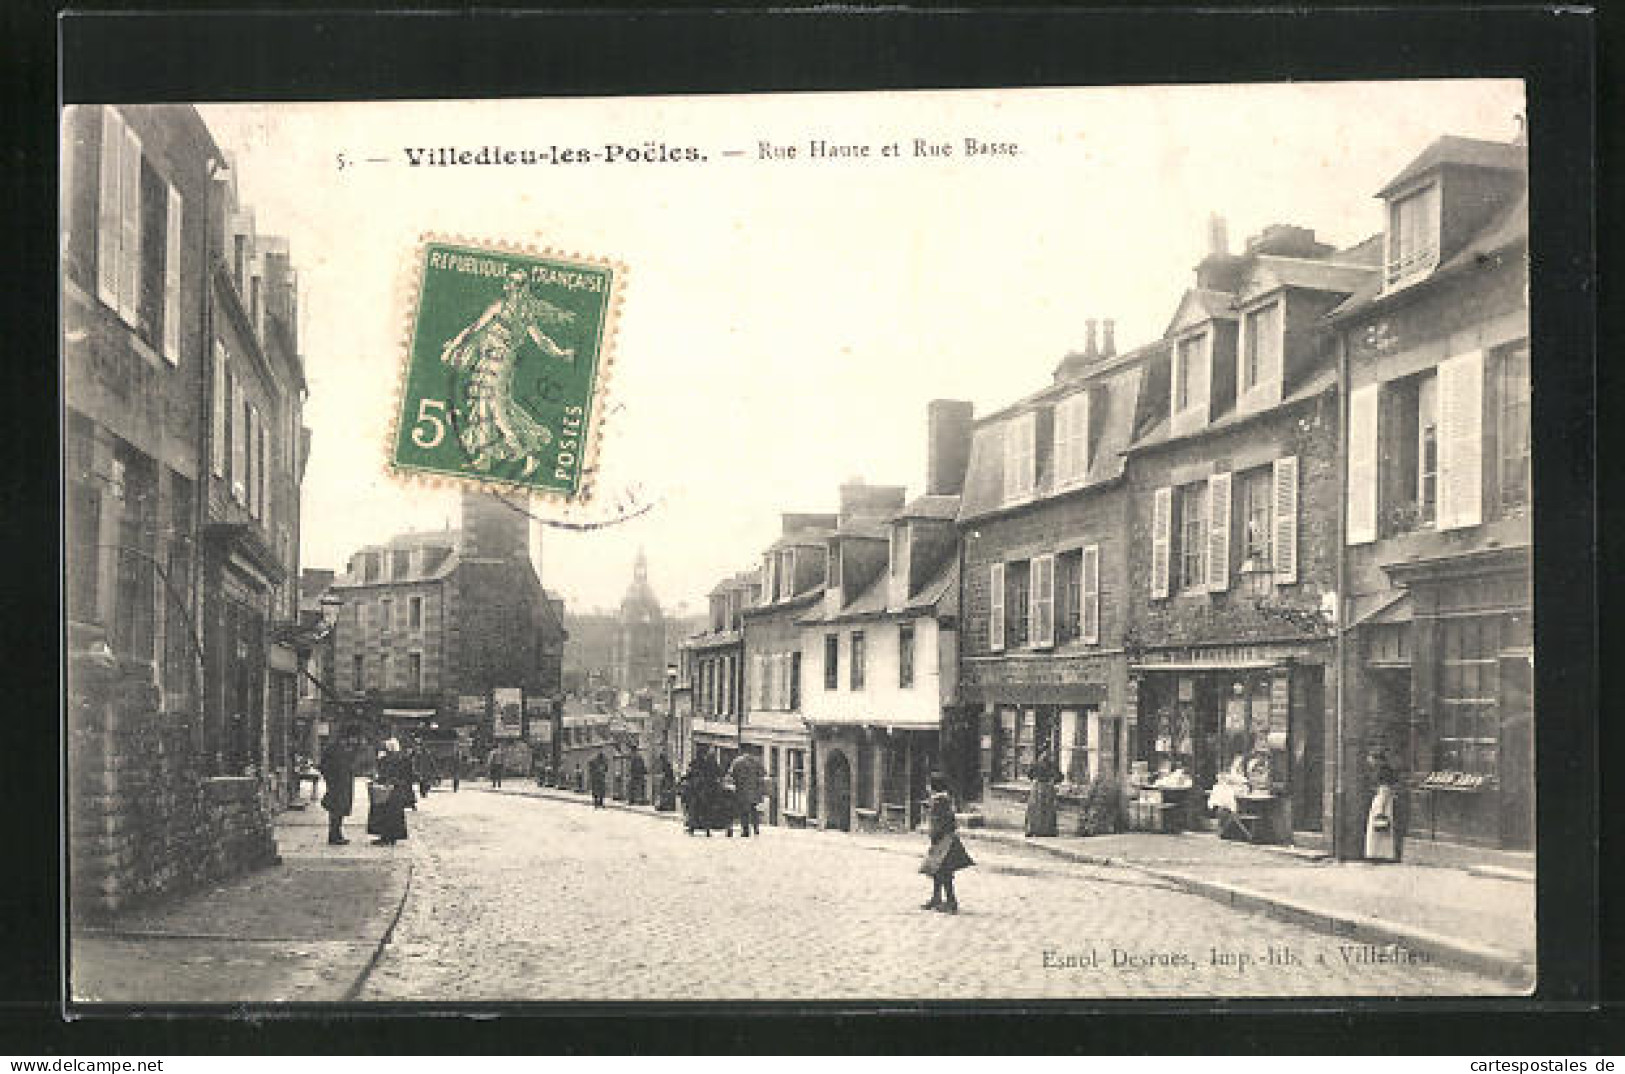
[(1218, 235), (948, 426), (1090, 349), (1108, 342)]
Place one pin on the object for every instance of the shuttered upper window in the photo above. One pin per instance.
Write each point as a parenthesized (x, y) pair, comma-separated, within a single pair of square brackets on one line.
[(1072, 439), (1020, 456)]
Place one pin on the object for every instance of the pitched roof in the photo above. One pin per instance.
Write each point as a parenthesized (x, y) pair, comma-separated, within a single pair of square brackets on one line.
[(1200, 304), (931, 505), (1320, 381), (1111, 420), (1464, 152), (1270, 272)]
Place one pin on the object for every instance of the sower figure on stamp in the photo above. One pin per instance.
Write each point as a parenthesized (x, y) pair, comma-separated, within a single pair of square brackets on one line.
[(494, 427), (947, 854)]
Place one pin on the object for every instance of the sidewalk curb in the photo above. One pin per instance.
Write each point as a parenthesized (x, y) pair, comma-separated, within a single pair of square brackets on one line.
[(1478, 958), (349, 995)]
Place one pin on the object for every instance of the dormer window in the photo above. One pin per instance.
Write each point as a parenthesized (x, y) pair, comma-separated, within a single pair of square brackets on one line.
[(1261, 347), (1188, 404), (1072, 440), (1020, 456), (1413, 235)]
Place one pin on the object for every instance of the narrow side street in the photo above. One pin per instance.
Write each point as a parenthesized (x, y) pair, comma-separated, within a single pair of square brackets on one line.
[(517, 897)]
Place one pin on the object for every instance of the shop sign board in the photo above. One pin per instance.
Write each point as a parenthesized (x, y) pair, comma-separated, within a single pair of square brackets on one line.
[(508, 703)]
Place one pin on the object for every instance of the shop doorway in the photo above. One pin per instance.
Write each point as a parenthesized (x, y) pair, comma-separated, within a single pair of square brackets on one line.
[(838, 791), (1307, 748)]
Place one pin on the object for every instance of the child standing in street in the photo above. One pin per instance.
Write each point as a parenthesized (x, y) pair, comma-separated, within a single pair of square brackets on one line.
[(947, 854)]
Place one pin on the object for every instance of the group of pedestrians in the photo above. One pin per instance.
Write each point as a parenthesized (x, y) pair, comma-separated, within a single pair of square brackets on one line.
[(399, 777), (714, 798)]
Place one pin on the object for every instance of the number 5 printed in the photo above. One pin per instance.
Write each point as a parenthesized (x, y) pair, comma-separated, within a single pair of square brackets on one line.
[(422, 437)]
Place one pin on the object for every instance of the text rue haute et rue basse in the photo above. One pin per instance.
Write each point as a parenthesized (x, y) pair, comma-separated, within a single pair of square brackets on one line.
[(927, 148)]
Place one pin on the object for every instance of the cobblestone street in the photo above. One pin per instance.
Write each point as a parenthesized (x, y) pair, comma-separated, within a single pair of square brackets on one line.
[(516, 897)]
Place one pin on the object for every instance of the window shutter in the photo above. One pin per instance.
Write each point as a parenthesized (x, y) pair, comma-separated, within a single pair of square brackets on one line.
[(995, 607), (1218, 546), (129, 260), (1091, 594), (1461, 441), (1286, 520), (1161, 525), (1202, 379), (108, 207), (172, 278), (1062, 452), (264, 469), (217, 448), (1080, 435), (1042, 607), (1362, 476), (234, 413)]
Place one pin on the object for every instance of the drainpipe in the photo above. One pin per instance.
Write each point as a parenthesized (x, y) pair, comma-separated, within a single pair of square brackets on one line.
[(1340, 850)]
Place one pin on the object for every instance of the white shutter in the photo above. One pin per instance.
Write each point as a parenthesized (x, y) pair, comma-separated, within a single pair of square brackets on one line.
[(1362, 475), (264, 468), (1218, 545), (1041, 616), (1080, 435), (1286, 520), (1063, 442), (172, 277), (109, 227), (239, 457), (129, 260), (1161, 526), (217, 417), (1461, 441), (995, 607), (1202, 383), (1091, 594)]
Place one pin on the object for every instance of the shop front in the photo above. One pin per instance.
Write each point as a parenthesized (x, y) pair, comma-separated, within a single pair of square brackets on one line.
[(1453, 661), (874, 777), (1250, 717)]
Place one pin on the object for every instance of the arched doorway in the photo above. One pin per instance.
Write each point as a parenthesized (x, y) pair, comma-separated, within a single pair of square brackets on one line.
[(838, 791)]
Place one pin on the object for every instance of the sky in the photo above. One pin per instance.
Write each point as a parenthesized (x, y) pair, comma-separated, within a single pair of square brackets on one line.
[(786, 321)]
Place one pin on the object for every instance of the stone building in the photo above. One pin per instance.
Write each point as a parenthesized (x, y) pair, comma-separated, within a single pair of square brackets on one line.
[(793, 575), (184, 449), (714, 662), (638, 652), (1440, 654), (1044, 590), (431, 623), (1231, 520)]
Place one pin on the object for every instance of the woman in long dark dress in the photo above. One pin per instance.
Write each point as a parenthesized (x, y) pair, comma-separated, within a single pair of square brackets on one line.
[(947, 854), (1041, 818), (386, 819)]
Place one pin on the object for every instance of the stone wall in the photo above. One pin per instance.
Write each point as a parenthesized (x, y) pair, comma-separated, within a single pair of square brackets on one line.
[(145, 818)]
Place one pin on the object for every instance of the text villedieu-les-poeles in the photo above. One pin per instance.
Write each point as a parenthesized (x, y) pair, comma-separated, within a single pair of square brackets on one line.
[(611, 153)]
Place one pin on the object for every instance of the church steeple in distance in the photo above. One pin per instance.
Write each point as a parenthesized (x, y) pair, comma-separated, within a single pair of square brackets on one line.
[(640, 569)]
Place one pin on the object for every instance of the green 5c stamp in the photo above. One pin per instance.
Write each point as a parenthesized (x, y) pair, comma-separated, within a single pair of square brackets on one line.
[(505, 370)]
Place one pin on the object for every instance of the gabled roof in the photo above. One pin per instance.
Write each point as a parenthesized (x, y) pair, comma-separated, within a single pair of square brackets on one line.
[(1463, 152), (939, 594), (1271, 272), (1200, 304)]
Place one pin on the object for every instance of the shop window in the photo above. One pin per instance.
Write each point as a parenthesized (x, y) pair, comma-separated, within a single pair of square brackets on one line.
[(1005, 746), (795, 782), (1514, 428), (905, 656), (1468, 722)]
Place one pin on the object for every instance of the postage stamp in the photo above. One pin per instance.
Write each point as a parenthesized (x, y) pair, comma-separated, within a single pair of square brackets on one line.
[(506, 367)]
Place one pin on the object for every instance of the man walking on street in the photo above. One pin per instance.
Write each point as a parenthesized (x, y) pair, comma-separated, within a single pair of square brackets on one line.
[(494, 766), (597, 775), (338, 770), (747, 774)]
